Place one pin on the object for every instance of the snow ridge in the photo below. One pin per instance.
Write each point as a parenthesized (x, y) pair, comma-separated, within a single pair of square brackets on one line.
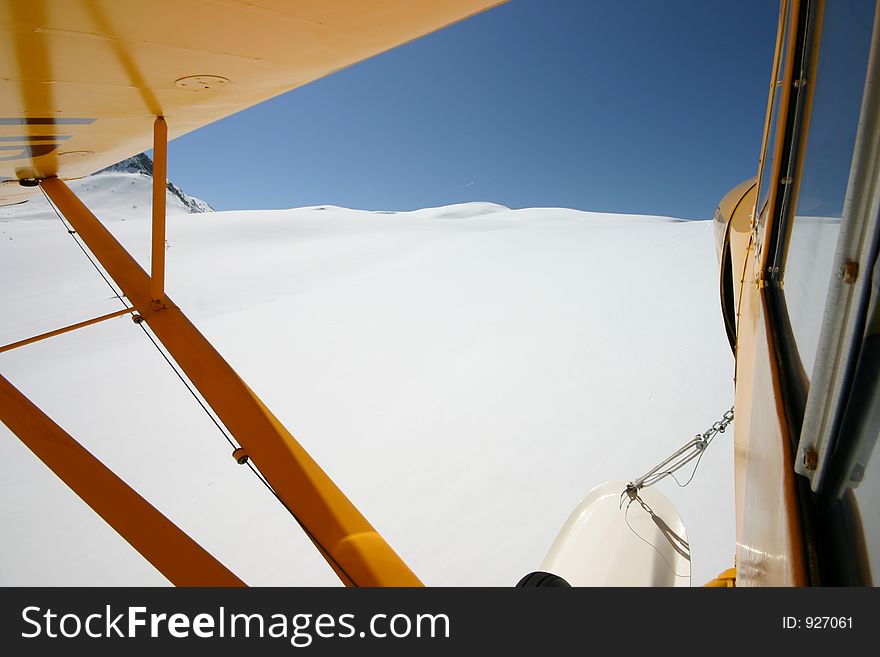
[(466, 374)]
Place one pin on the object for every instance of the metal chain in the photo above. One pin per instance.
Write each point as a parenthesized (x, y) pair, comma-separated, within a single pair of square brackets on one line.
[(684, 455)]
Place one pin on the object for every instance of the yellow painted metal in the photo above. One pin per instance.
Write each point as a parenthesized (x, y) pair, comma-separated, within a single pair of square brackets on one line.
[(726, 580), (66, 329), (739, 239), (349, 543), (83, 79), (160, 175), (806, 111), (735, 204), (178, 557), (727, 206), (770, 550), (777, 141), (767, 138)]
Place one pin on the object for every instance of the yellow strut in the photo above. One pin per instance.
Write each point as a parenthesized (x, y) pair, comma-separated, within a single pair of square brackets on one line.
[(66, 329), (160, 175), (352, 547), (174, 554)]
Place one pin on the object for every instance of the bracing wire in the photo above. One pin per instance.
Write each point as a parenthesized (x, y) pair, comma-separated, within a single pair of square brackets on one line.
[(250, 465), (693, 449), (194, 395), (82, 248), (646, 541), (308, 533), (187, 385), (119, 296), (693, 472)]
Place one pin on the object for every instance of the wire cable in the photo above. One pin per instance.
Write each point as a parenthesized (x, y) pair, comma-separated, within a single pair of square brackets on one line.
[(88, 256), (249, 464), (299, 522), (189, 388), (216, 421), (651, 545)]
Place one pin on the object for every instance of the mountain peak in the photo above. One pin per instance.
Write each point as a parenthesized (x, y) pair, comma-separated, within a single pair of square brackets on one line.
[(143, 165), (140, 163)]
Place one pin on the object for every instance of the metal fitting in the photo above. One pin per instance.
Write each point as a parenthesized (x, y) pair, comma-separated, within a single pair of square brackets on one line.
[(811, 459)]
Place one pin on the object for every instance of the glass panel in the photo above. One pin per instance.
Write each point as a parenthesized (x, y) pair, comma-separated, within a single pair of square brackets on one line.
[(837, 97)]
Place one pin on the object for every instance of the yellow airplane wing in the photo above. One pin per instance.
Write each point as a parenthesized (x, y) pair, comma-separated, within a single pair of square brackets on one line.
[(83, 80)]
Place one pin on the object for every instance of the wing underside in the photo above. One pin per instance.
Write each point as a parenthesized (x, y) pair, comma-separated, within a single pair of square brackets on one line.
[(83, 80)]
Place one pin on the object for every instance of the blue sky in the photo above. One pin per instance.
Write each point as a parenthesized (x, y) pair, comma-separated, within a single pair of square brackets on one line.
[(638, 107)]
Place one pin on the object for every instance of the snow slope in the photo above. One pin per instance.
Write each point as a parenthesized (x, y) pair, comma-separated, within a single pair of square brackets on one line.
[(466, 374)]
